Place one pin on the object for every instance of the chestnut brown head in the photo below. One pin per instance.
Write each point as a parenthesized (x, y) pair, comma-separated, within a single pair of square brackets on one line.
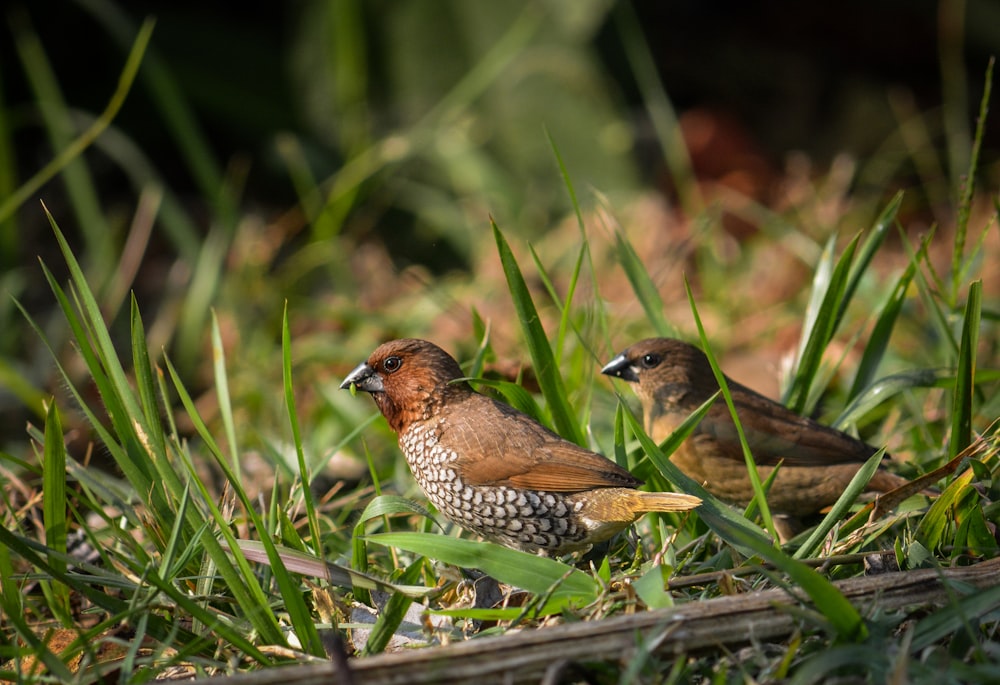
[(406, 378)]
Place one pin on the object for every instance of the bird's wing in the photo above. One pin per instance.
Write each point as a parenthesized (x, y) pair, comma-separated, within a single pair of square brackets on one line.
[(497, 445), (775, 433)]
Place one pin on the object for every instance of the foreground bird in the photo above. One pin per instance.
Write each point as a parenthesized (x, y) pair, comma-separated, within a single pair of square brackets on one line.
[(673, 378), (490, 468)]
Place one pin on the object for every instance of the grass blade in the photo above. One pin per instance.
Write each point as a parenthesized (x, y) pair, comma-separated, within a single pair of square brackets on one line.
[(840, 507), (758, 488), (74, 149), (822, 316), (529, 572), (878, 341), (958, 267), (304, 470), (54, 509), (222, 391), (643, 286), (538, 345), (962, 402)]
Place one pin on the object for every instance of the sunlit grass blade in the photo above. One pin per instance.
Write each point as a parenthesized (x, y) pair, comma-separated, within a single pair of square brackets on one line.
[(305, 473), (932, 529), (222, 392), (962, 401), (530, 572), (652, 588), (134, 451), (827, 300), (840, 507), (542, 358), (564, 307), (54, 509), (878, 341), (144, 381), (864, 257), (758, 488), (382, 506)]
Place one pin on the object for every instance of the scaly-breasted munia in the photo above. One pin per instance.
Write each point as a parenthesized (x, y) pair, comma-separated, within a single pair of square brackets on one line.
[(492, 469), (673, 378)]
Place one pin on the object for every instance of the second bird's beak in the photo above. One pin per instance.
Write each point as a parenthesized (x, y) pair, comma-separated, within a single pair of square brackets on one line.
[(364, 378), (621, 367)]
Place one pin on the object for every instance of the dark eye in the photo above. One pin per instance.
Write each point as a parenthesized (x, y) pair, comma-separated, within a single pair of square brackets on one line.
[(392, 364), (650, 361)]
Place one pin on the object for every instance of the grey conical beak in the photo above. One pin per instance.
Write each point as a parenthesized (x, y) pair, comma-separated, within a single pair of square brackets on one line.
[(621, 367), (364, 378)]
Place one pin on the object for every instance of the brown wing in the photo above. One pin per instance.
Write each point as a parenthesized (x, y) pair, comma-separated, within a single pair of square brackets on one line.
[(776, 433), (498, 445)]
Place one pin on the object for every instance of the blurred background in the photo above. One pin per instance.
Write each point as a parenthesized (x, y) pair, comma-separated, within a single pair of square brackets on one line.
[(346, 157)]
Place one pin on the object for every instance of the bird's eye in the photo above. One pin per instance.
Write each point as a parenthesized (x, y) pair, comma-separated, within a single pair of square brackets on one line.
[(650, 361), (392, 364)]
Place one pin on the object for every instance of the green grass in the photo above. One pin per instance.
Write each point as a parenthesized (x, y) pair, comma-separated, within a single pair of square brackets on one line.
[(236, 502)]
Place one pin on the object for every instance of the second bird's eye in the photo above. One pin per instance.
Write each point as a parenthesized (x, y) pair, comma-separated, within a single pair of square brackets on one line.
[(392, 364), (650, 361)]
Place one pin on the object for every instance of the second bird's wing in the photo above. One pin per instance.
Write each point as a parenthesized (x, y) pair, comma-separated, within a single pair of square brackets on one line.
[(775, 433)]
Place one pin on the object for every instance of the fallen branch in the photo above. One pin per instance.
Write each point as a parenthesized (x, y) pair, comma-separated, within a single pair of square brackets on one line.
[(698, 626)]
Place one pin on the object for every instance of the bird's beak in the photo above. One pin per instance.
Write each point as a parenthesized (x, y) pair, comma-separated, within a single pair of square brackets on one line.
[(364, 378), (621, 367)]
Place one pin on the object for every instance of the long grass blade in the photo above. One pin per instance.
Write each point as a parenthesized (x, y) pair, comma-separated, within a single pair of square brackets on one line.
[(962, 402), (304, 470), (758, 488), (538, 345), (54, 508), (878, 341), (822, 316), (75, 148), (644, 287), (958, 266), (840, 507), (526, 571)]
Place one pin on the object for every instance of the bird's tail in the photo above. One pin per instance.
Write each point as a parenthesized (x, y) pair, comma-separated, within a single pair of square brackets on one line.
[(663, 501)]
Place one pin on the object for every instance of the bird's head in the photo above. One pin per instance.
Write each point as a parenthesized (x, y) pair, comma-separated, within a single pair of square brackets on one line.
[(660, 367), (407, 378)]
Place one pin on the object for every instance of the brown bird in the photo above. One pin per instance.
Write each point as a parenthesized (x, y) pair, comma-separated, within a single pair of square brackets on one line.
[(673, 378), (490, 468)]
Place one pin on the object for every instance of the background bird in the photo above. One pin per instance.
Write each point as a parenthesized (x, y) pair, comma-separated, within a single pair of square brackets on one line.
[(492, 469), (673, 378)]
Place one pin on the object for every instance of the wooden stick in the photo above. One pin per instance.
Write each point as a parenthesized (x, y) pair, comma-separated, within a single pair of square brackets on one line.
[(694, 627)]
